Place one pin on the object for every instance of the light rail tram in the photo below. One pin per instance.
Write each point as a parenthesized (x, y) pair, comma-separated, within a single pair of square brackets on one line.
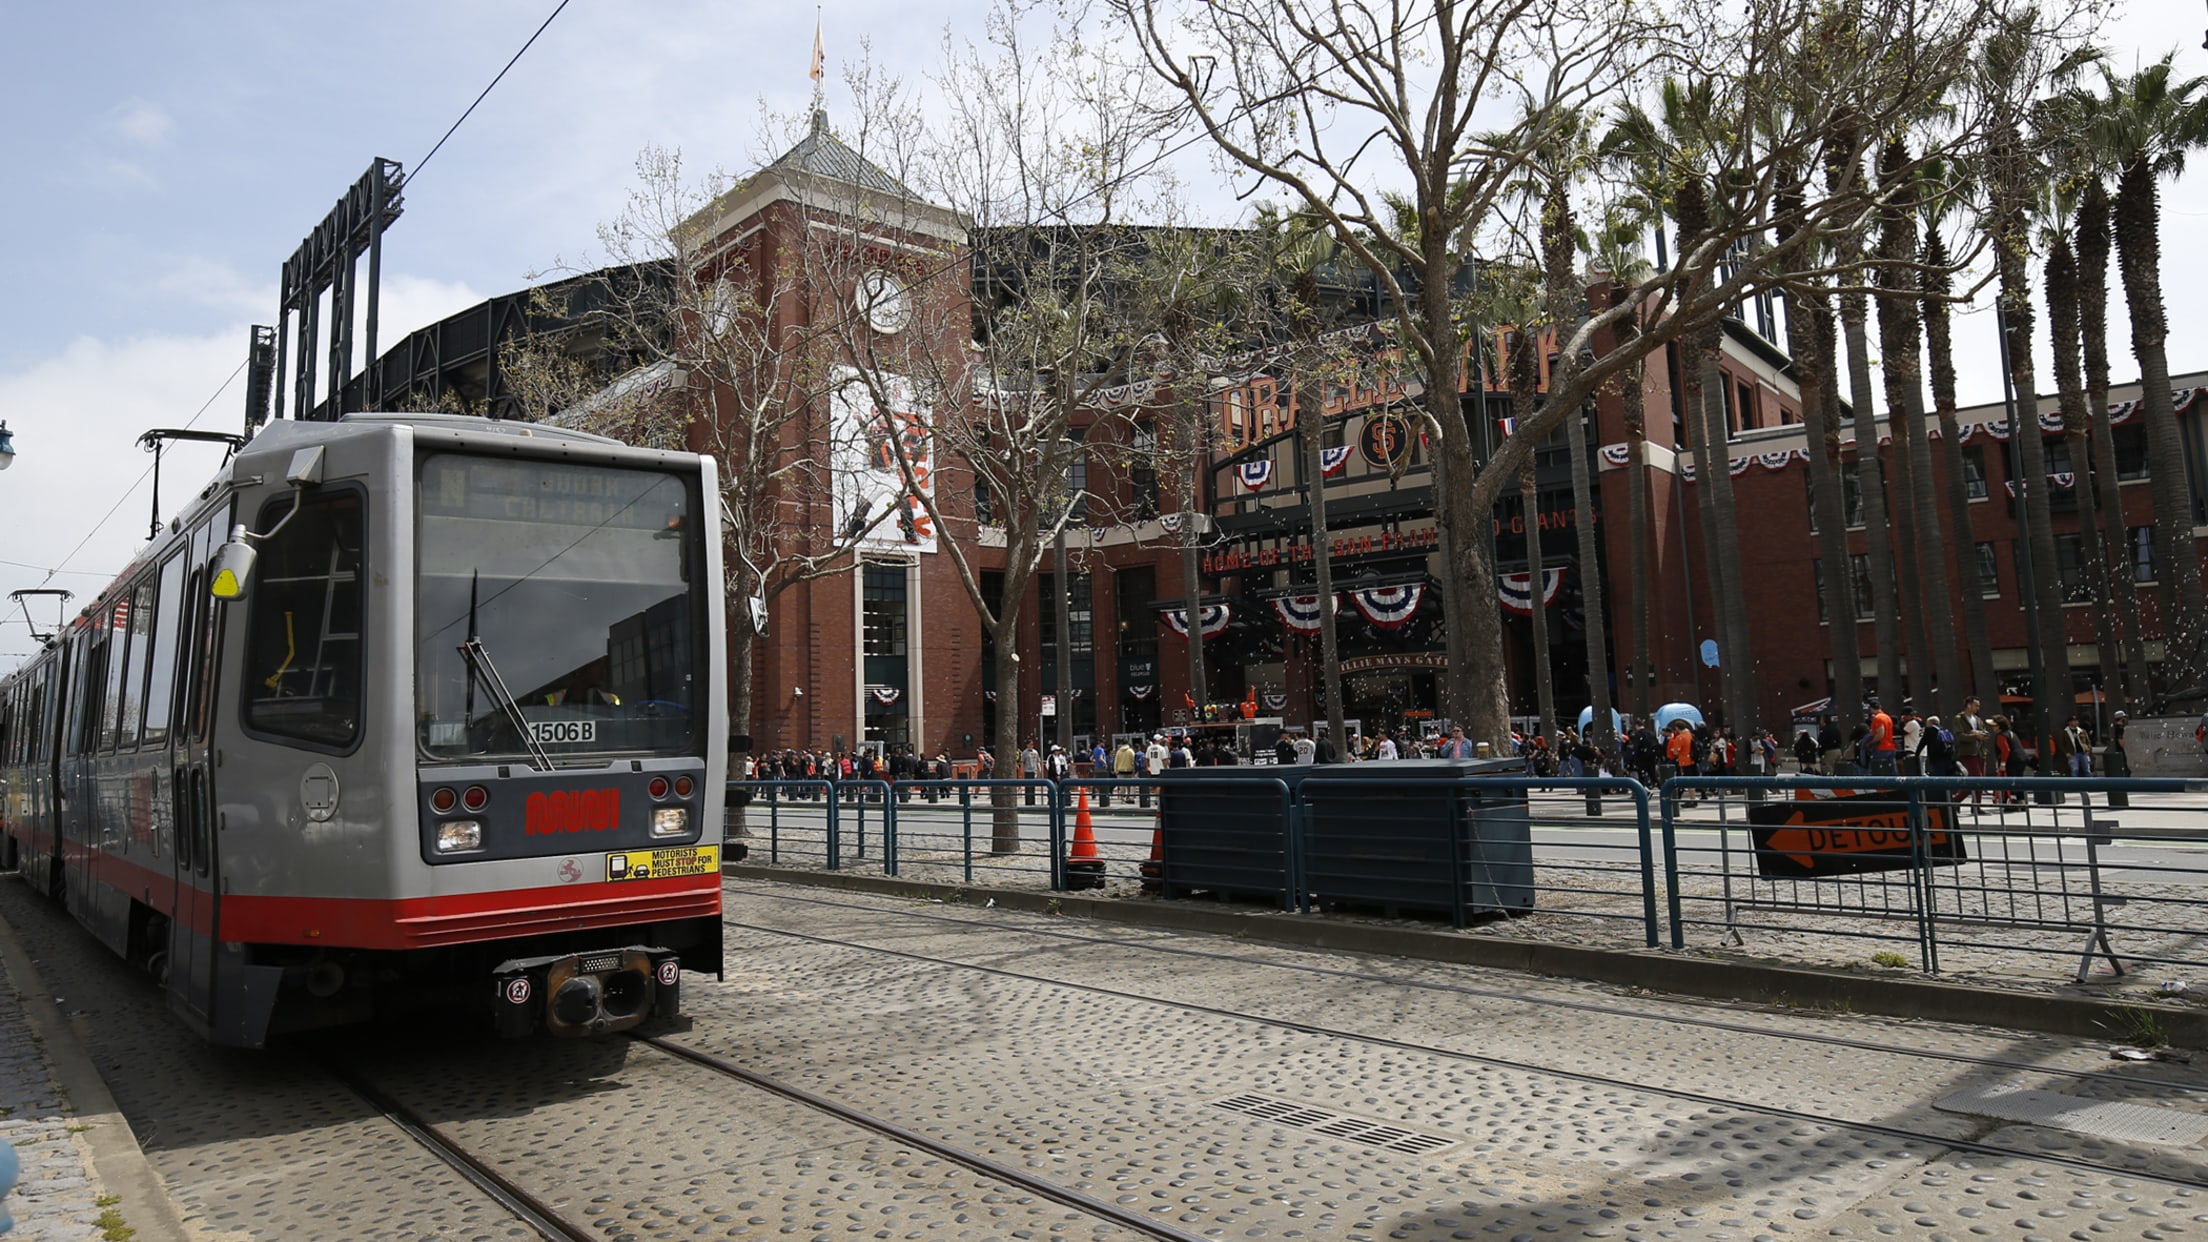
[(401, 709)]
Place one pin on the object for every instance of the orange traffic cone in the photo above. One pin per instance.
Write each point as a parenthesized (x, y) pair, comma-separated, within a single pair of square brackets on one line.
[(1153, 867), (1084, 865)]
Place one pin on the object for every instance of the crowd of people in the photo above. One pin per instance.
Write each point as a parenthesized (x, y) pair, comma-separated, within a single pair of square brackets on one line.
[(1974, 743)]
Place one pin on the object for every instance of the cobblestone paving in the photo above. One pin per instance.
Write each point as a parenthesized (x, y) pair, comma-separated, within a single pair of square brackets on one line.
[(1536, 1154), (251, 1145), (57, 1197)]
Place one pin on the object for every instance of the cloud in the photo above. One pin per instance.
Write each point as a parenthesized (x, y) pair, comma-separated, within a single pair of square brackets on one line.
[(143, 123), (76, 415)]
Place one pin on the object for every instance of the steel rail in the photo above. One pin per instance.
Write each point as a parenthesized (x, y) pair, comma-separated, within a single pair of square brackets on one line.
[(993, 1169), (1506, 1063), (525, 1207)]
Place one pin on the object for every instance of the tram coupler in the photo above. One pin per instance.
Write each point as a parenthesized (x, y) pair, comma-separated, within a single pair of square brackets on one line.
[(599, 992)]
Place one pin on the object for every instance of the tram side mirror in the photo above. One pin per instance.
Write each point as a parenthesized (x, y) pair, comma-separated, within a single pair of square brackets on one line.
[(232, 572)]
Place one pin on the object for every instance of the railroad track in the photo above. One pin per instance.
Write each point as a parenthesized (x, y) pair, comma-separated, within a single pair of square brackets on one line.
[(483, 1171), (2198, 1181)]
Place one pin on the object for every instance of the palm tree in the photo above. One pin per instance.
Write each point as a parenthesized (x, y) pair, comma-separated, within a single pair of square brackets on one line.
[(1869, 474), (2142, 127), (2093, 242), (1809, 337), (1940, 352), (1617, 256), (1900, 330), (1664, 156), (1522, 364), (1298, 249), (2011, 179), (2061, 278)]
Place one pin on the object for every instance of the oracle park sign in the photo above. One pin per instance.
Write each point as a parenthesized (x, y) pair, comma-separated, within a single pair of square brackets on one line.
[(1816, 837)]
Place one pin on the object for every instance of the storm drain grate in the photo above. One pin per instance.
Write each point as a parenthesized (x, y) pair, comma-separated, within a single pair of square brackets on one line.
[(1335, 1125), (2138, 1123)]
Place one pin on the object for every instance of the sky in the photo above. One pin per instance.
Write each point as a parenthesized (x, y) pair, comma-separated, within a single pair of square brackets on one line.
[(167, 158)]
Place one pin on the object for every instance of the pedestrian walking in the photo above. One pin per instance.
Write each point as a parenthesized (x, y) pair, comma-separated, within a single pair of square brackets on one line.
[(1881, 751), (2074, 749), (1385, 749), (1031, 768), (1100, 766)]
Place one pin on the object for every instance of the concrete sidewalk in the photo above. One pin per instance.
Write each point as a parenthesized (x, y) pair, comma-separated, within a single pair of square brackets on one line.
[(84, 1178)]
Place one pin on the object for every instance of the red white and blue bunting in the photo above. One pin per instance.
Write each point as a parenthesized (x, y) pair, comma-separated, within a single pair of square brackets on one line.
[(1212, 617), (1515, 591), (1333, 461), (2050, 423), (1170, 523), (1255, 474), (886, 695), (2061, 481), (1389, 608), (1275, 700), (1141, 692), (1301, 612)]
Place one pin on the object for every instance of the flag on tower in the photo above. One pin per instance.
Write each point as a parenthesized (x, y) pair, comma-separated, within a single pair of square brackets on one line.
[(820, 52)]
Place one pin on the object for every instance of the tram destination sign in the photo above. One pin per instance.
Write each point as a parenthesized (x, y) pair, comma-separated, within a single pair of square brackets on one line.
[(1814, 838)]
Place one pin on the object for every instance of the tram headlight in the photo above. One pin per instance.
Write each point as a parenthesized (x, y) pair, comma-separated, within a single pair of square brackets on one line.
[(670, 821), (457, 836)]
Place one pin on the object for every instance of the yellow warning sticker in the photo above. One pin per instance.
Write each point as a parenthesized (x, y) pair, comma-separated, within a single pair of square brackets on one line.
[(662, 864)]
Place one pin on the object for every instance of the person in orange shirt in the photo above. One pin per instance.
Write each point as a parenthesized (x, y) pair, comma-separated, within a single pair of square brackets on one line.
[(1882, 740), (1679, 747)]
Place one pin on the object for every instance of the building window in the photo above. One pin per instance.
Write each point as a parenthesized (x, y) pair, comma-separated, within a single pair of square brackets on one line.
[(1142, 470), (1974, 471), (2070, 565), (1989, 572), (1861, 564), (884, 628), (1747, 406), (985, 502), (2142, 554), (1077, 476), (1851, 499), (2131, 452), (2058, 456)]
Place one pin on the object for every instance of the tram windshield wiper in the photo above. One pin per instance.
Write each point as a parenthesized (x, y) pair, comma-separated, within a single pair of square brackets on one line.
[(481, 669)]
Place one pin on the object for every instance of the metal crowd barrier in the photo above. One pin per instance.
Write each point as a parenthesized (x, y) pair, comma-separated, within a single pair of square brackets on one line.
[(1940, 874), (1991, 869)]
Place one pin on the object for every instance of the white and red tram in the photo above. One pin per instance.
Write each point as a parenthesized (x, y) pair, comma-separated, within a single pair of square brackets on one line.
[(402, 708)]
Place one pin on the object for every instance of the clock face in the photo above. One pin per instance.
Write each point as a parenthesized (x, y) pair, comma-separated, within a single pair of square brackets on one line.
[(885, 302)]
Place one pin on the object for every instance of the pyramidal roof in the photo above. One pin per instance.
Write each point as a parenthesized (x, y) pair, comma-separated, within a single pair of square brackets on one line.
[(822, 153)]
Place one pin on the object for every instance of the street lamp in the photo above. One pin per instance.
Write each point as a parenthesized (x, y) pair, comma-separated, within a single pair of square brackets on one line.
[(7, 446)]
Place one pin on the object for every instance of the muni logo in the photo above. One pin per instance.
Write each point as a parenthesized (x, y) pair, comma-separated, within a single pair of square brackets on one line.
[(581, 810)]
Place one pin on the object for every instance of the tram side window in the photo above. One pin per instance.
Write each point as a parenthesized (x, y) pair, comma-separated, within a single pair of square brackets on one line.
[(117, 619), (91, 678), (161, 673), (134, 671), (302, 645)]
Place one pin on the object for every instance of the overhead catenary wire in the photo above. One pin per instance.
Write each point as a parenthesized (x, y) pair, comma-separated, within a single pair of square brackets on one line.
[(132, 490), (419, 164)]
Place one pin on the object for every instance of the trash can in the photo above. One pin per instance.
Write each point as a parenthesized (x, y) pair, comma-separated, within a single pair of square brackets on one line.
[(1225, 831), (1416, 836)]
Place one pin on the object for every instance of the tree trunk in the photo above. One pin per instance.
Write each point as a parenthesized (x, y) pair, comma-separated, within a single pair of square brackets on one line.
[(2061, 277), (743, 645), (1810, 337), (1870, 477), (1312, 424), (2052, 693), (1004, 830), (1599, 730), (1721, 532), (1062, 621), (1192, 586), (1524, 372), (1940, 346), (2093, 242), (1641, 668), (2176, 563), (1900, 332), (1910, 579)]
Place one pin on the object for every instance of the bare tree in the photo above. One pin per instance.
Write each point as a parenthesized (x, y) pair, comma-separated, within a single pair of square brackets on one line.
[(1335, 103)]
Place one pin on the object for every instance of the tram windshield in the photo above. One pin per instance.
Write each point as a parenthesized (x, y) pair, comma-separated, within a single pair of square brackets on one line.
[(579, 583)]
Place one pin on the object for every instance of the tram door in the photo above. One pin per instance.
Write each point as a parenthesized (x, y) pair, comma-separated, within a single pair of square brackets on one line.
[(192, 930)]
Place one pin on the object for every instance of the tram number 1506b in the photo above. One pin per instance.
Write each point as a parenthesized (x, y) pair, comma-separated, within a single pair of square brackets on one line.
[(563, 732)]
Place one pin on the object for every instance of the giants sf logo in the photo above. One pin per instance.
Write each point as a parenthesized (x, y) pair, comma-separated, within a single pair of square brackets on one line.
[(582, 810)]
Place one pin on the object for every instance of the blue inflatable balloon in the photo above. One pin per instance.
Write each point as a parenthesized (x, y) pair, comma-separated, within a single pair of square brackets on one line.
[(1678, 711), (1587, 718)]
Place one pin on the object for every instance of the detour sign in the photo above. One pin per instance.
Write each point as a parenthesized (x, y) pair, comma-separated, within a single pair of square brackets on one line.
[(1815, 837)]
